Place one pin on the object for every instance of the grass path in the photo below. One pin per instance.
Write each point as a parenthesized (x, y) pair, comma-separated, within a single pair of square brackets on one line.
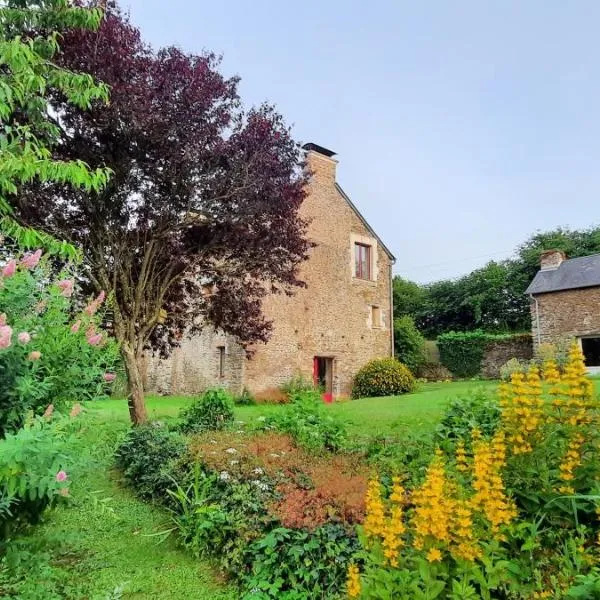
[(104, 545)]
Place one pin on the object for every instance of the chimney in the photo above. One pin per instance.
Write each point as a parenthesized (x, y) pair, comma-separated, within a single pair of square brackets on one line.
[(320, 162), (552, 259)]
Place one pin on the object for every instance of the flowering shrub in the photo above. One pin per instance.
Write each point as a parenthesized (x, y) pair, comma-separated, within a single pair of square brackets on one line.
[(48, 353), (473, 527), (212, 411), (383, 377), (34, 465)]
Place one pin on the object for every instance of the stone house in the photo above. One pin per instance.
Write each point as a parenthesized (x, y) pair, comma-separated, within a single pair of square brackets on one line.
[(324, 332), (565, 303)]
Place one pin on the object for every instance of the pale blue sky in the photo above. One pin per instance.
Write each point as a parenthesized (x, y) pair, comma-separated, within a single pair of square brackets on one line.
[(461, 126)]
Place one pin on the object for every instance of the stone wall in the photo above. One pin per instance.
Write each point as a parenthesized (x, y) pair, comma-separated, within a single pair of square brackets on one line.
[(195, 366), (565, 315), (498, 352)]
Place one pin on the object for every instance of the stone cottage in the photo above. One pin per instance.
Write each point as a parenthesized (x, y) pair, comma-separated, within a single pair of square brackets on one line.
[(326, 331), (565, 303)]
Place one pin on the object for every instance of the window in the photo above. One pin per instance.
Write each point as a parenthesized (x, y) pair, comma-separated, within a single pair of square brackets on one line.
[(221, 350), (591, 351), (375, 316), (362, 261)]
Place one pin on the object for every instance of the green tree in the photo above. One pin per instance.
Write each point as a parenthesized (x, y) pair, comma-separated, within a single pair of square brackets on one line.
[(408, 343), (29, 33), (409, 297)]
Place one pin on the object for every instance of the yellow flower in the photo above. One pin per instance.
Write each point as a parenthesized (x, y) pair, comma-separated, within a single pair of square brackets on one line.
[(434, 555), (353, 581), (392, 540), (375, 516)]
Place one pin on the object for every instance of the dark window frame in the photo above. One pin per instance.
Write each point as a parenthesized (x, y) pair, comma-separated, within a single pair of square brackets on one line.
[(221, 350)]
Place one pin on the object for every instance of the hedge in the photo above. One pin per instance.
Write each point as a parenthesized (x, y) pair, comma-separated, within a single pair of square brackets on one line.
[(462, 353)]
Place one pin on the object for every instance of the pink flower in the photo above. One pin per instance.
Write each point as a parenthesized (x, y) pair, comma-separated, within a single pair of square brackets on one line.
[(75, 410), (109, 377), (24, 337), (61, 476), (5, 336), (9, 269), (94, 340), (30, 261), (94, 305), (35, 355), (66, 287), (49, 410), (75, 327)]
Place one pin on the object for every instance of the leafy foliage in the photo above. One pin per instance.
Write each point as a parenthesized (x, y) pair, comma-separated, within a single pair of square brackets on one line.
[(296, 565), (203, 205), (408, 343), (309, 423), (211, 412), (462, 353), (34, 465), (147, 457), (383, 377), (43, 360), (299, 388), (28, 77), (477, 411)]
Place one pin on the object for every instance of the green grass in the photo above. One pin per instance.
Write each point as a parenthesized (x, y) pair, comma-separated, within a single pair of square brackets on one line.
[(106, 544)]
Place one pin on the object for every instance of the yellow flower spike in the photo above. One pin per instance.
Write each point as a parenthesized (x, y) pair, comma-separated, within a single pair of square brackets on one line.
[(434, 555), (375, 517), (353, 581)]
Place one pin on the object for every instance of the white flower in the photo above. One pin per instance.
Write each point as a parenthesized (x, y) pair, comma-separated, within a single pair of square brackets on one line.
[(231, 451), (258, 471), (261, 418), (260, 485), (234, 462), (224, 476), (273, 455)]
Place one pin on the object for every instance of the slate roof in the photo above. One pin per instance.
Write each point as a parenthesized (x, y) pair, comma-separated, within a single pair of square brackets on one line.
[(571, 274)]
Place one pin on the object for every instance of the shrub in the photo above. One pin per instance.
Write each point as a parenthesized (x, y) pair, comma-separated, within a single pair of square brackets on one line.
[(34, 470), (297, 565), (409, 344), (211, 412), (514, 365), (477, 411), (299, 388), (310, 424), (245, 398), (46, 354), (146, 457), (462, 353), (383, 377)]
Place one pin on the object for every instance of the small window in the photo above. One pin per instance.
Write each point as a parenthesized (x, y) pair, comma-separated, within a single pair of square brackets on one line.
[(362, 261), (591, 351), (375, 316), (221, 350)]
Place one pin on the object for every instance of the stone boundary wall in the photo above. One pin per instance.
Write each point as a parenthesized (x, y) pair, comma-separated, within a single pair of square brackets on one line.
[(498, 352)]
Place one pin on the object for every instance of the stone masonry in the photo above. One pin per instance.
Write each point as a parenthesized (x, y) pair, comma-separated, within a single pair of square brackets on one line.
[(338, 316)]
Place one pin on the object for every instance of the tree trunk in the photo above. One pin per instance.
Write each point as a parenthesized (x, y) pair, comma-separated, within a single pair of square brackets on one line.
[(135, 385)]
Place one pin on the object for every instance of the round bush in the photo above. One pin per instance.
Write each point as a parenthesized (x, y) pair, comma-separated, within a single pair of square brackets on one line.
[(383, 377), (211, 412)]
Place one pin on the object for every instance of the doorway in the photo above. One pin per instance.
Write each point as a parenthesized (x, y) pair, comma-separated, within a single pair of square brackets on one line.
[(323, 373), (591, 351)]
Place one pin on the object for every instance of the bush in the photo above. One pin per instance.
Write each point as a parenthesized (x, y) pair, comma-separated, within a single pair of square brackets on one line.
[(462, 353), (383, 377), (34, 470), (297, 565), (211, 412), (46, 354), (477, 411), (146, 457), (409, 344), (310, 425), (298, 388), (514, 365), (245, 398)]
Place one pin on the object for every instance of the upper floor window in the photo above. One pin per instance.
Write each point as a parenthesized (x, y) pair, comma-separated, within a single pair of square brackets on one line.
[(362, 261)]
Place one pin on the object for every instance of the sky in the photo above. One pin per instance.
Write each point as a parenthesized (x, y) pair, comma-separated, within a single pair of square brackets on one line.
[(461, 126)]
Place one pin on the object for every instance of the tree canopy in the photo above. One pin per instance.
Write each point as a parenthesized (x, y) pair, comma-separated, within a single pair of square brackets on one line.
[(199, 220), (491, 298), (29, 35)]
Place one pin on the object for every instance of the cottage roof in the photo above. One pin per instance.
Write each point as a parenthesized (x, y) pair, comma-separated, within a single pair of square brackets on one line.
[(570, 274)]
